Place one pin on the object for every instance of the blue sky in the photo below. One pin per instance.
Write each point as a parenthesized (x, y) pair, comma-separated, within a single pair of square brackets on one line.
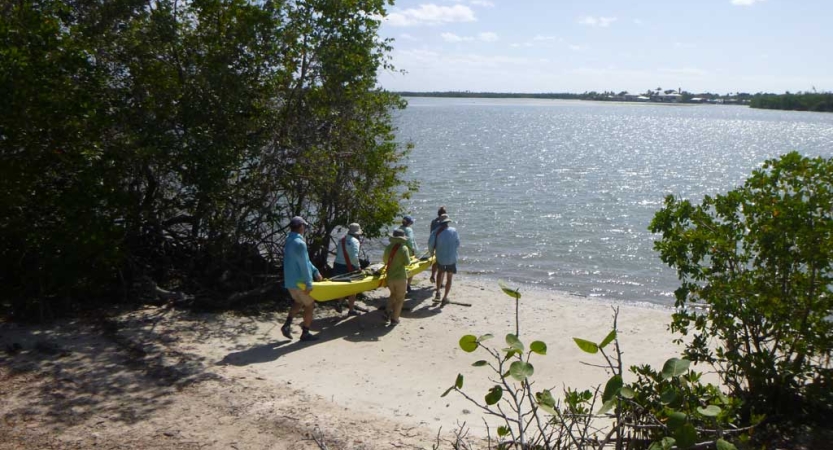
[(718, 46)]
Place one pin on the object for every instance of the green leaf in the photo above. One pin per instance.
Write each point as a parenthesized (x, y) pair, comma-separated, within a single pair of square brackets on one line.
[(686, 436), (480, 363), (514, 293), (614, 384), (709, 411), (468, 343), (607, 406), (447, 391), (668, 396), (459, 382), (538, 347), (587, 346), (607, 340), (667, 443), (676, 419), (675, 367), (627, 392), (502, 430), (514, 343), (485, 337), (546, 401), (521, 370), (724, 445), (494, 395)]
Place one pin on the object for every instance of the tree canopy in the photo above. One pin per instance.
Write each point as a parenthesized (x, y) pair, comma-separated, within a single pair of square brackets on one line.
[(171, 140), (756, 266)]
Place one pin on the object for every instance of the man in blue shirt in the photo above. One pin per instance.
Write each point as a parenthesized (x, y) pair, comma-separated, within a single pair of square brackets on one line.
[(443, 243), (298, 274), (434, 225)]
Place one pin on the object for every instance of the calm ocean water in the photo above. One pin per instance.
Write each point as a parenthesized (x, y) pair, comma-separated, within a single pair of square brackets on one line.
[(559, 194)]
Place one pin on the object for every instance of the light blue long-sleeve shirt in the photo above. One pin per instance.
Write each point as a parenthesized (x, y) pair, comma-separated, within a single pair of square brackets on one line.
[(298, 271), (411, 242), (445, 246), (352, 245)]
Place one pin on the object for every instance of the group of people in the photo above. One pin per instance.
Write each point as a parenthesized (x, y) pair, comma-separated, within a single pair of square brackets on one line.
[(299, 272)]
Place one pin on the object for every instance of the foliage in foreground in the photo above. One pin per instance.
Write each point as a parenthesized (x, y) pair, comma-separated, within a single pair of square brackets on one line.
[(171, 140), (755, 299), (668, 409)]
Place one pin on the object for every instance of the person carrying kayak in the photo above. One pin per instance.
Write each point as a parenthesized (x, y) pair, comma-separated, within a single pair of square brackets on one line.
[(434, 225), (298, 274), (396, 258), (347, 260), (443, 243), (407, 221)]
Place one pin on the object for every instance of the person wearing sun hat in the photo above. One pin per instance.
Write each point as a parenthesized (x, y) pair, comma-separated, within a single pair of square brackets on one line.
[(298, 275), (396, 258), (434, 225), (407, 221), (443, 243), (347, 260)]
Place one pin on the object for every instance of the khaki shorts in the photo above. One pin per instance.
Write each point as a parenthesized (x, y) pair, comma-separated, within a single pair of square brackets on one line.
[(301, 297)]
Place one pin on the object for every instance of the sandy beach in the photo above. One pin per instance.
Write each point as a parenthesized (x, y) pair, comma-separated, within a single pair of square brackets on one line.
[(233, 381)]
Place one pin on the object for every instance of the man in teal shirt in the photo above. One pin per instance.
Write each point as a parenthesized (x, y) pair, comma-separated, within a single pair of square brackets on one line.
[(298, 274)]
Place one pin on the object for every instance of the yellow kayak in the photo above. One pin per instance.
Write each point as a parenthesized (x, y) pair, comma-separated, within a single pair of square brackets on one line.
[(366, 280)]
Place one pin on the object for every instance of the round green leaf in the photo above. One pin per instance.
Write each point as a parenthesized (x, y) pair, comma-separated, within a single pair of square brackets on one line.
[(502, 431), (546, 401), (668, 396), (686, 436), (514, 342), (521, 370), (538, 347), (494, 395), (724, 445), (485, 337), (480, 363), (468, 343), (709, 411), (676, 419), (587, 346), (675, 367)]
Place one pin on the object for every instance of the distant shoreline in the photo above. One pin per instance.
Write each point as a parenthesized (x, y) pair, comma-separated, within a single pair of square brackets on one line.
[(813, 102)]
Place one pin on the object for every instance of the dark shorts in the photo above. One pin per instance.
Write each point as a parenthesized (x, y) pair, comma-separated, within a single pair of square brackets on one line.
[(339, 269), (450, 268)]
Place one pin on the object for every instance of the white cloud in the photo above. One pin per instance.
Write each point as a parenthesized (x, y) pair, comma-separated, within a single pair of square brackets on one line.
[(488, 37), (431, 14), (451, 37), (576, 48), (745, 2), (484, 3), (597, 21), (407, 37), (546, 38)]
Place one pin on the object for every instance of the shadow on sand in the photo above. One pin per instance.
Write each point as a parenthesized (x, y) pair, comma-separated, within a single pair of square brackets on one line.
[(367, 327)]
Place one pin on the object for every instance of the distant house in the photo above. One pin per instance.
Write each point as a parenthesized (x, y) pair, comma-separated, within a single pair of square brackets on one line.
[(669, 98), (698, 100), (643, 98)]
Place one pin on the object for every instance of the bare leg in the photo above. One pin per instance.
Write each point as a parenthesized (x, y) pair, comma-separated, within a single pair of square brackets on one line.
[(351, 302), (292, 311), (433, 272), (448, 285), (308, 315), (440, 274)]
